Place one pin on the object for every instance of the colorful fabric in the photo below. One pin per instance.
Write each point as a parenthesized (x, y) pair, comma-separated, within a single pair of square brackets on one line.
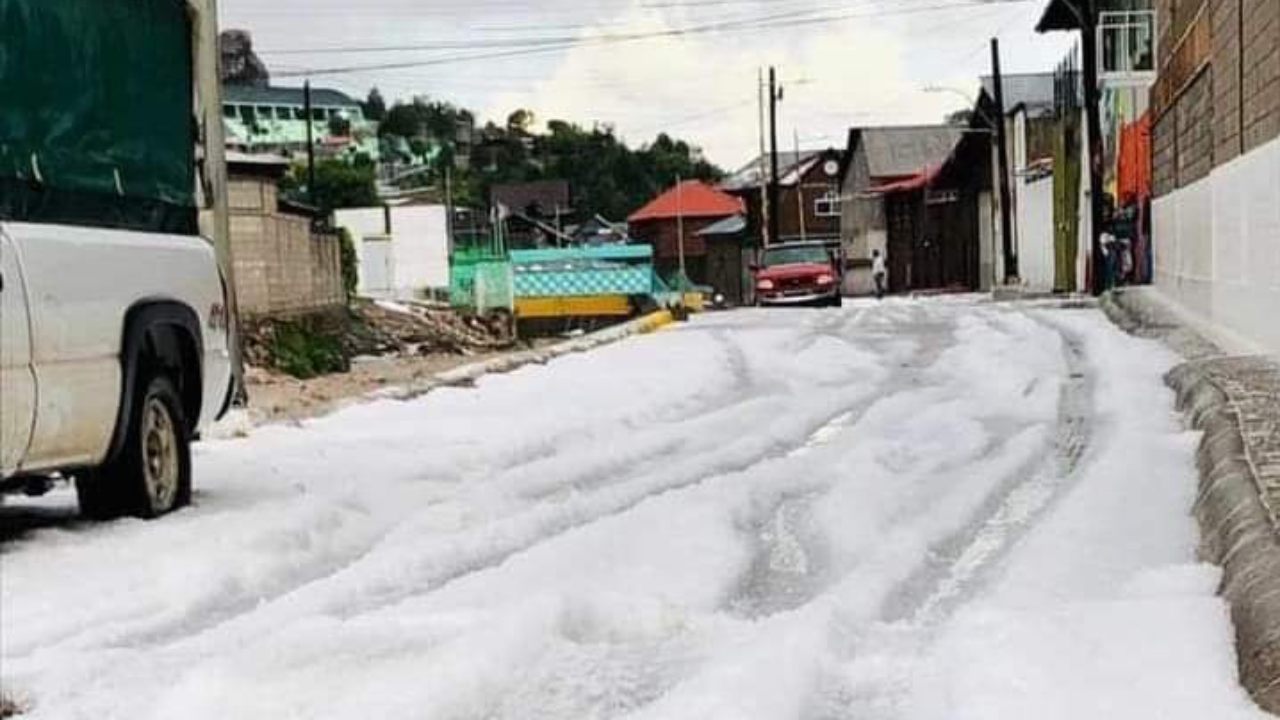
[(1134, 161)]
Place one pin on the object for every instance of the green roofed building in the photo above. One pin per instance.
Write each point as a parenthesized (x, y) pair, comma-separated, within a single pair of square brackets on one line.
[(273, 119)]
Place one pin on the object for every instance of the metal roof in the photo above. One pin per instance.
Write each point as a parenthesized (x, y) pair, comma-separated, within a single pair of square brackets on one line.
[(749, 175), (904, 151), (251, 95), (729, 226), (1034, 90)]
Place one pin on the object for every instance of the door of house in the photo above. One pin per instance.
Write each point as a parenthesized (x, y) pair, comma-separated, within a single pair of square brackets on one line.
[(724, 268), (377, 266)]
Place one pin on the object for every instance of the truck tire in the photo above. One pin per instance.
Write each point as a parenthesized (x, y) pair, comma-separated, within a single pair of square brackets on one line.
[(152, 475)]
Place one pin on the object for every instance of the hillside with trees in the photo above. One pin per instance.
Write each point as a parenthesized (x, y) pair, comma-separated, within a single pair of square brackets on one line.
[(606, 175)]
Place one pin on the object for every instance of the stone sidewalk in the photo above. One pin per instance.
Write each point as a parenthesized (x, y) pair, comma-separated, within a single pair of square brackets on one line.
[(1235, 402)]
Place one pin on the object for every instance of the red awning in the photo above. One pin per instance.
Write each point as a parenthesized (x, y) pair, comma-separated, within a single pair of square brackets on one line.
[(919, 181)]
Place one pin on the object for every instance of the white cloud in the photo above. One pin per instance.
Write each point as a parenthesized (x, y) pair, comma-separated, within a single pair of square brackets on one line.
[(703, 87)]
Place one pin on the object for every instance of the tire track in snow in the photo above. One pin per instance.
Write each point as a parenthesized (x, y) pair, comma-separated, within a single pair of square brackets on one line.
[(875, 683), (789, 566), (485, 546)]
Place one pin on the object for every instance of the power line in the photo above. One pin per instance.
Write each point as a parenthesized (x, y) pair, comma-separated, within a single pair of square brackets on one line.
[(531, 47)]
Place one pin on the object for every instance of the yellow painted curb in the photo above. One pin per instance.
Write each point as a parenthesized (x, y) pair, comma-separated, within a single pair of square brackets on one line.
[(655, 321)]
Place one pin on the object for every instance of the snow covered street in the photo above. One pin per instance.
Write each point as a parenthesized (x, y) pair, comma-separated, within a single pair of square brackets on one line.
[(919, 510)]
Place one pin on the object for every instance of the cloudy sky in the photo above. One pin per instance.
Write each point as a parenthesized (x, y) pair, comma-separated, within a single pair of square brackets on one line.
[(688, 67)]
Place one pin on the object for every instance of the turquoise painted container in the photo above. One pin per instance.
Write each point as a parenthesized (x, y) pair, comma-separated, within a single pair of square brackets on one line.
[(586, 271)]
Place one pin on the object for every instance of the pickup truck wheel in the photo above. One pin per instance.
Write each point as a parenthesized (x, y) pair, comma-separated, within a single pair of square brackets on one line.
[(152, 476)]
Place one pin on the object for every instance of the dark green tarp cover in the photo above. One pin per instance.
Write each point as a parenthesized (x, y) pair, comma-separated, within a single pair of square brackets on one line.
[(96, 116)]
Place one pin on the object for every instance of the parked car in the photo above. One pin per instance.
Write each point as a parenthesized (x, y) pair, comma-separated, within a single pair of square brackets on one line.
[(115, 322), (798, 274)]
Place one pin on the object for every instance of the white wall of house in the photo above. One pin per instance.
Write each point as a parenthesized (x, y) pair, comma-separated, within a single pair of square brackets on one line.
[(419, 248), (1036, 260), (1217, 249)]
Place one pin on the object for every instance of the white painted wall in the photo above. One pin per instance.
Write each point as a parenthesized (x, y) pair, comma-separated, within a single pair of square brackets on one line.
[(419, 247), (1217, 249), (1035, 234)]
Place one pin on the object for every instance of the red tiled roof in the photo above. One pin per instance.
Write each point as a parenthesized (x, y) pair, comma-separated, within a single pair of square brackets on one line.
[(691, 198)]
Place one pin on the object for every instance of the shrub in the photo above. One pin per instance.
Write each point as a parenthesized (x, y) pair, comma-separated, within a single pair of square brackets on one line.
[(304, 353)]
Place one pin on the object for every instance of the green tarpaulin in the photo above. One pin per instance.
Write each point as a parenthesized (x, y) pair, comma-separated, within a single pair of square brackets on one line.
[(96, 113)]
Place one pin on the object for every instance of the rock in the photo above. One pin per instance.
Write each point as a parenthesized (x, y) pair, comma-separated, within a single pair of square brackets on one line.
[(240, 65)]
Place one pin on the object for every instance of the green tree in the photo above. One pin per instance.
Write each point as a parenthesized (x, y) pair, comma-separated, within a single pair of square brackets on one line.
[(375, 106), (338, 185), (520, 121)]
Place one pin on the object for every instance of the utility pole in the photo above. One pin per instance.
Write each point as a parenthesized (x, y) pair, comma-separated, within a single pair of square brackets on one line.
[(1093, 119), (799, 187), (311, 145), (1002, 153), (764, 167), (774, 94)]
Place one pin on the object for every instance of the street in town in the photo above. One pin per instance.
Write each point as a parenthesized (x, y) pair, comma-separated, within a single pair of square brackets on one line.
[(918, 509)]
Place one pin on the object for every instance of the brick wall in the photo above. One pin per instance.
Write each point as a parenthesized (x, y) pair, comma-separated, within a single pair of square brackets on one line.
[(1225, 59), (1261, 72), (1164, 161), (1195, 113), (1219, 91), (282, 268)]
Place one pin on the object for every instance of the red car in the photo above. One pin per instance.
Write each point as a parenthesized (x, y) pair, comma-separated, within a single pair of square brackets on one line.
[(798, 274)]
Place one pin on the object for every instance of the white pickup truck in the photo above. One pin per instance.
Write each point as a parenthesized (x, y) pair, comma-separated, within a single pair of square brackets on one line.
[(115, 323)]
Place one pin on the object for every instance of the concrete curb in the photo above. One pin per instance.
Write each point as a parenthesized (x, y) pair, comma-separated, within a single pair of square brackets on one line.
[(468, 375), (1238, 528)]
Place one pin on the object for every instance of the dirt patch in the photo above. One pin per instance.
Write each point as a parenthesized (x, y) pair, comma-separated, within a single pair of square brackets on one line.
[(308, 366), (275, 396)]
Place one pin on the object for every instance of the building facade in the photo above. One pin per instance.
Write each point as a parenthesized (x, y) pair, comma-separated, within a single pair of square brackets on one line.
[(273, 119), (1216, 167), (876, 158), (809, 204), (673, 223)]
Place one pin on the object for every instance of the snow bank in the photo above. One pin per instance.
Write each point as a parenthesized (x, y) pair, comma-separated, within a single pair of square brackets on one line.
[(760, 514)]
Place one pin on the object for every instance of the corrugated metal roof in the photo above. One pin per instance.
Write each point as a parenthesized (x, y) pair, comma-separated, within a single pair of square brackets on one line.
[(749, 175), (898, 152), (1035, 90), (728, 226), (251, 95)]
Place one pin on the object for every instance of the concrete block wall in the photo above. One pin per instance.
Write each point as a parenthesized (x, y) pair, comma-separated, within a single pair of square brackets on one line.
[(1216, 147), (282, 268), (1261, 86), (1230, 104)]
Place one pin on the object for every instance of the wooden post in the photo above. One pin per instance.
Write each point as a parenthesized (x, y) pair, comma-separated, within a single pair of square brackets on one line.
[(1002, 153), (774, 224), (1093, 120)]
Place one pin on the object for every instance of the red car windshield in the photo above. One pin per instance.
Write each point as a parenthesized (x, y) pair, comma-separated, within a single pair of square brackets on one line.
[(813, 254)]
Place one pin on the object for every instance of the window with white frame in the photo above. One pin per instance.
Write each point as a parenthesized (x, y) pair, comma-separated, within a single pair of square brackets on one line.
[(828, 205), (1127, 44)]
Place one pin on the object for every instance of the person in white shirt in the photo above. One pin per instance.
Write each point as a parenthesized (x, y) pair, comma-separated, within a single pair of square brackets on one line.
[(879, 273)]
